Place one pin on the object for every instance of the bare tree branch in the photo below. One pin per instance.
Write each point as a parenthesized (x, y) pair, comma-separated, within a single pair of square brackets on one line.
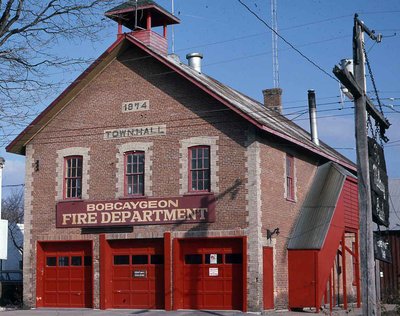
[(13, 211), (32, 66)]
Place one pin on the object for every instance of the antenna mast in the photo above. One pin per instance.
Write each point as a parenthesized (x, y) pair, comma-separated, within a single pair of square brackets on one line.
[(172, 26), (275, 63)]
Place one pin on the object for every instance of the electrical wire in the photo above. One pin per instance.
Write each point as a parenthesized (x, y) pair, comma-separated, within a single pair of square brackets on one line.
[(13, 185), (272, 115), (394, 209), (287, 42)]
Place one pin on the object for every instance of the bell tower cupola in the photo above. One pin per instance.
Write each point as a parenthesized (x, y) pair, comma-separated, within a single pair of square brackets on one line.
[(141, 16)]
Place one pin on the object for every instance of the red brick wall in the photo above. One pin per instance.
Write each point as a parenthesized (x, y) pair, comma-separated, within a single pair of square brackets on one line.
[(188, 112), (277, 212), (173, 102)]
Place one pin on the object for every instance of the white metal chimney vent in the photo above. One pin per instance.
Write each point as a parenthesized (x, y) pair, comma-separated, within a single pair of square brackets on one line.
[(312, 106), (194, 61)]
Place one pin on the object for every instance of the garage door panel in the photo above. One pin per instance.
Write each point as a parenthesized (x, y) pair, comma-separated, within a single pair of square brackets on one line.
[(193, 301), (121, 299), (66, 282), (77, 273), (51, 273), (64, 297), (52, 286), (63, 285), (121, 284), (76, 285), (211, 273), (122, 272), (76, 299), (139, 269), (193, 287), (141, 300), (50, 299), (191, 271), (141, 285), (213, 285), (214, 301)]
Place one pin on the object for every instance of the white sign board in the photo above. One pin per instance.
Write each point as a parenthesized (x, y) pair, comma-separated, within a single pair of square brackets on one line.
[(213, 258), (139, 131), (212, 271), (3, 239)]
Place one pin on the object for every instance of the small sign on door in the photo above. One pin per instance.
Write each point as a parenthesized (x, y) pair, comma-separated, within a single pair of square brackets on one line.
[(140, 274), (213, 258), (213, 272)]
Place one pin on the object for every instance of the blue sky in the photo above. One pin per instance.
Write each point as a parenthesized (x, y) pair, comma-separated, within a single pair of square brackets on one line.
[(237, 52)]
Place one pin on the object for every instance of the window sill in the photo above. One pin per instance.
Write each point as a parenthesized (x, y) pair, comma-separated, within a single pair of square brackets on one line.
[(198, 193), (130, 197), (291, 200)]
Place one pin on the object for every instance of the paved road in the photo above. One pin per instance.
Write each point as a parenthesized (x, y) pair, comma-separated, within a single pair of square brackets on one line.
[(91, 312), (118, 312)]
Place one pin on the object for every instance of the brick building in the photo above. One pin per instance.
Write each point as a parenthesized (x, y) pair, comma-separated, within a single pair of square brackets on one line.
[(151, 185)]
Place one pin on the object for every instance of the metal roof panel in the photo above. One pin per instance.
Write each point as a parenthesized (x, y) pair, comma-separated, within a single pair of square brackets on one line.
[(318, 208)]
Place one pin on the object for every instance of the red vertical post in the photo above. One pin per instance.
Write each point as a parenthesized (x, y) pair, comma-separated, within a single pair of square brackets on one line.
[(39, 274), (357, 258), (148, 21), (119, 29), (316, 284), (177, 286), (165, 31), (330, 291), (167, 271), (334, 271), (102, 256), (268, 278), (244, 274), (344, 272)]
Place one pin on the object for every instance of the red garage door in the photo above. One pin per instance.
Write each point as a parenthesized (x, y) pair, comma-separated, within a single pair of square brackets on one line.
[(65, 274), (137, 268), (210, 274)]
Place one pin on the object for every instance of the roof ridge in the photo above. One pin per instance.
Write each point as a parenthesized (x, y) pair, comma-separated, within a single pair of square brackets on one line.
[(243, 105)]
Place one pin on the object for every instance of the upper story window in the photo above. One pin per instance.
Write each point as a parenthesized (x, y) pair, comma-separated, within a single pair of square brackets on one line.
[(290, 194), (199, 168), (73, 177), (134, 173)]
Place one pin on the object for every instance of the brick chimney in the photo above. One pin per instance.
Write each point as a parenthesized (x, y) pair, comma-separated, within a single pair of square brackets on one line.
[(273, 99)]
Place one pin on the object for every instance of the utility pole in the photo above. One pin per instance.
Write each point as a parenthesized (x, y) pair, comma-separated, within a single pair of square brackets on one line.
[(369, 306), (356, 85)]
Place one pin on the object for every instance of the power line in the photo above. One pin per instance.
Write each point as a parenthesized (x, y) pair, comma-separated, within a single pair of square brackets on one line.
[(286, 41), (13, 185), (262, 109)]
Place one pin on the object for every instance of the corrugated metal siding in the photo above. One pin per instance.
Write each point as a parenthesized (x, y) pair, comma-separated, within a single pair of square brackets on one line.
[(390, 283), (317, 210), (350, 196)]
